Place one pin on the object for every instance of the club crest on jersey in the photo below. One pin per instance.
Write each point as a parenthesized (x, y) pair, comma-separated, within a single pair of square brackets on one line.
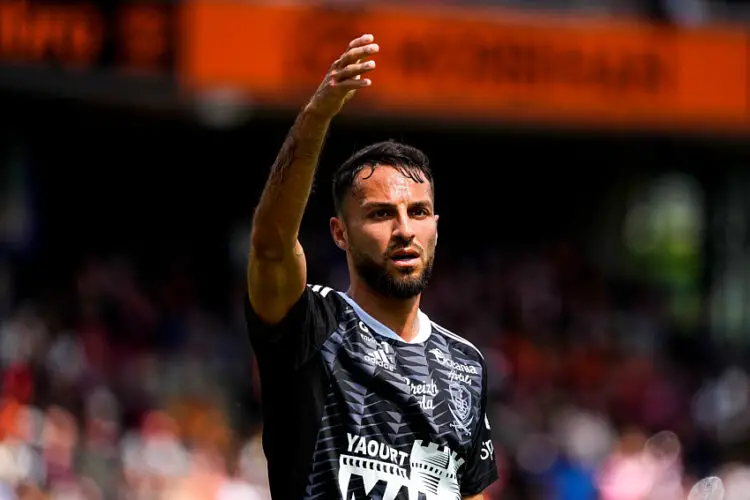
[(383, 356), (460, 407)]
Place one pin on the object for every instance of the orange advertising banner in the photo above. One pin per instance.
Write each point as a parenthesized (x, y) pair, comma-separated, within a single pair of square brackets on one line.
[(476, 65)]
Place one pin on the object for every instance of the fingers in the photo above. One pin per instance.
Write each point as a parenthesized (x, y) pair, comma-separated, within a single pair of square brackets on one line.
[(359, 48), (352, 84), (360, 41), (355, 54), (352, 71), (347, 71)]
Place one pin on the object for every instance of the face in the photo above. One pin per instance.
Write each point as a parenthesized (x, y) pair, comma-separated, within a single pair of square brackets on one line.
[(389, 232)]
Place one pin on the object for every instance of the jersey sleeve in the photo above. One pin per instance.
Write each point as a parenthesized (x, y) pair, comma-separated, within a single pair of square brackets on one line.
[(481, 468), (299, 335)]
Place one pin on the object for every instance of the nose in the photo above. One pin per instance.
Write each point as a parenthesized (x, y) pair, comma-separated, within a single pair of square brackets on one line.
[(403, 227)]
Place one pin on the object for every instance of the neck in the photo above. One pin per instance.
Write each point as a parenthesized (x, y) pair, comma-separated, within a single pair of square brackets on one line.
[(400, 315)]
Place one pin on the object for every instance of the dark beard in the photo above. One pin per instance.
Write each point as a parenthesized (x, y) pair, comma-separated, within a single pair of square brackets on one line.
[(384, 283)]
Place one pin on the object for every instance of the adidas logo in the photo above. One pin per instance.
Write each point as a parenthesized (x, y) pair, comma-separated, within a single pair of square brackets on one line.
[(382, 356)]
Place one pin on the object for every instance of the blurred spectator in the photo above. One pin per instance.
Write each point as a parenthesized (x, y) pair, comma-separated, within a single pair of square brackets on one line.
[(143, 392)]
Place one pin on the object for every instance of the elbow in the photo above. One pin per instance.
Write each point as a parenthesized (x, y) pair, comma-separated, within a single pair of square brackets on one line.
[(263, 247), (271, 236), (268, 245)]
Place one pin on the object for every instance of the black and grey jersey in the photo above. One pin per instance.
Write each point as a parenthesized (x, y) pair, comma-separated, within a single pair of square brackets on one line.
[(351, 411)]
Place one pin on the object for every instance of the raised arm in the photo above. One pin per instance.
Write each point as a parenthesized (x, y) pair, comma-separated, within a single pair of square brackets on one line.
[(277, 270)]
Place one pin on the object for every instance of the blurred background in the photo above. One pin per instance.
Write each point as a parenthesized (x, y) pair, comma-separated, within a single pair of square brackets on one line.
[(591, 175)]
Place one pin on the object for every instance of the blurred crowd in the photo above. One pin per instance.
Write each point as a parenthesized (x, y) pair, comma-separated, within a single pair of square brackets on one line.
[(122, 386), (118, 389), (595, 394)]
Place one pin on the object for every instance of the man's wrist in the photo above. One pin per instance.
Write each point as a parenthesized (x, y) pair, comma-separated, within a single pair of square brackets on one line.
[(314, 112)]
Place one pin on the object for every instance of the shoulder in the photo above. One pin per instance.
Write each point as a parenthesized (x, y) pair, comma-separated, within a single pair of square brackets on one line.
[(324, 295), (318, 307), (324, 298), (456, 341), (460, 349), (322, 290)]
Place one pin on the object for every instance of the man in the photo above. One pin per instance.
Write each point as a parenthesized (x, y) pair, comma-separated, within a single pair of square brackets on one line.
[(363, 396)]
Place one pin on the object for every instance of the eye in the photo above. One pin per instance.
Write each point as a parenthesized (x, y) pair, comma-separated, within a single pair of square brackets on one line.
[(380, 214), (420, 212)]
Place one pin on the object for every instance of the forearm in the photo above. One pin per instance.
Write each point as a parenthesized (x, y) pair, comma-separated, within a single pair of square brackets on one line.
[(282, 204)]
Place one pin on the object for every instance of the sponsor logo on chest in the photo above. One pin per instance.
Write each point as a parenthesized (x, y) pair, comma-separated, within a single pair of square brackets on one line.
[(448, 362), (423, 392), (370, 468), (459, 372), (380, 354)]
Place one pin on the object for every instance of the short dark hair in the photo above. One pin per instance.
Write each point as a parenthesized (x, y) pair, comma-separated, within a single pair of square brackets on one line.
[(408, 160)]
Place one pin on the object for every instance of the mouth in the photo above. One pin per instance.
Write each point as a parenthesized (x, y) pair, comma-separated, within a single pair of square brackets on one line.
[(405, 258)]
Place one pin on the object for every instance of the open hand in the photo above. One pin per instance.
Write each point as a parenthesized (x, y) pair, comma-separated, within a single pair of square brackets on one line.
[(345, 77)]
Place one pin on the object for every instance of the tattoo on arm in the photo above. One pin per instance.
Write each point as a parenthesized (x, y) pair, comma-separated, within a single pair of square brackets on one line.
[(285, 158), (282, 203), (300, 144)]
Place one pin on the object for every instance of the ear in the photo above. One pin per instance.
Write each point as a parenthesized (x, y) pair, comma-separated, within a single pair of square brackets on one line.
[(338, 232), (437, 233)]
